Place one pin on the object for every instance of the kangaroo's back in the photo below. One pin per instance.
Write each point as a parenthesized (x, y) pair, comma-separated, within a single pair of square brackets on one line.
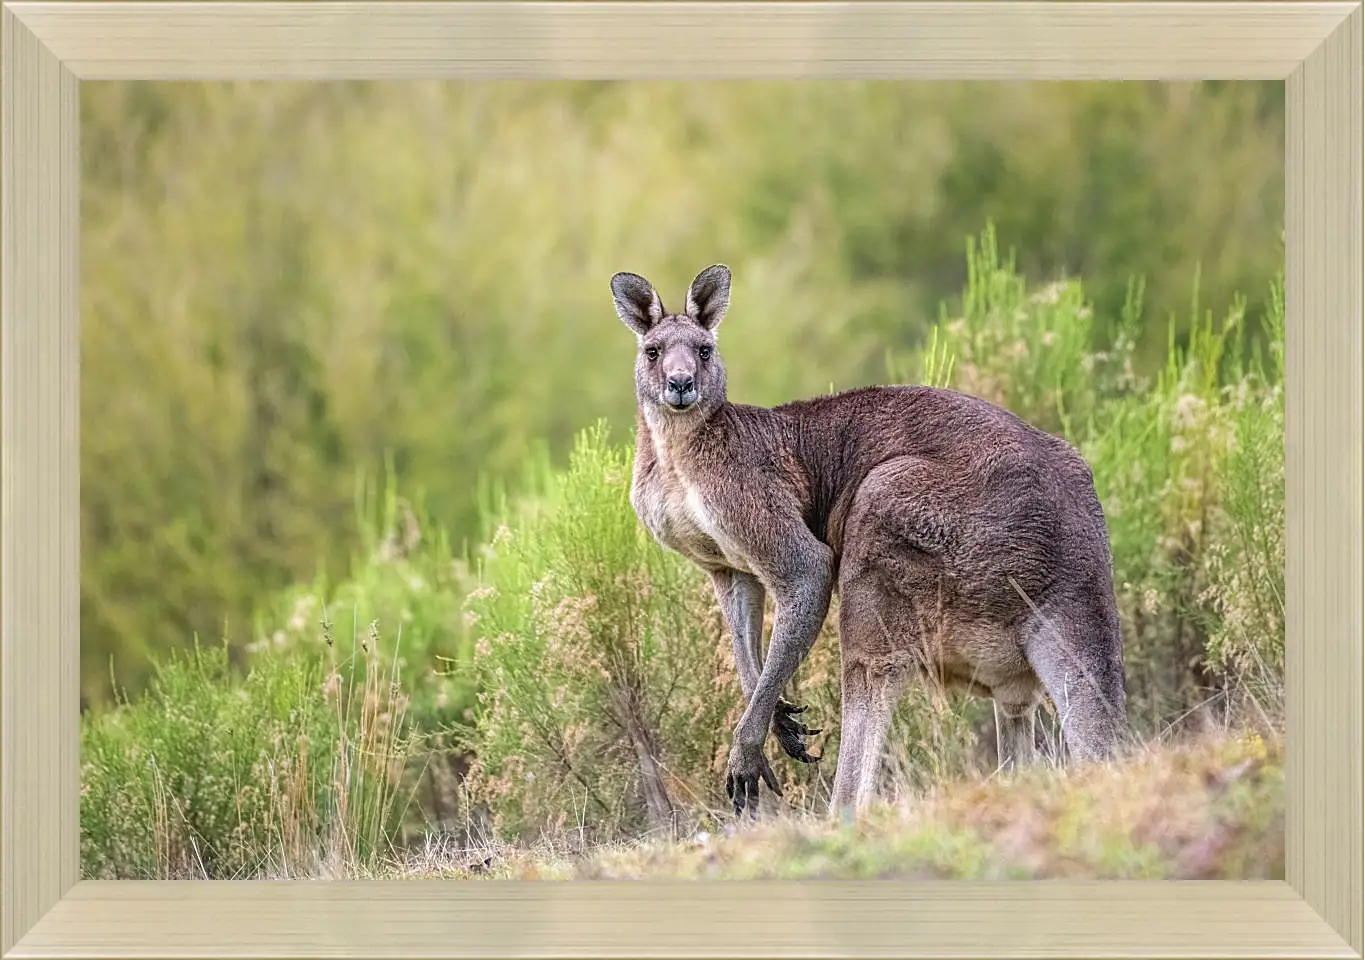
[(1006, 477)]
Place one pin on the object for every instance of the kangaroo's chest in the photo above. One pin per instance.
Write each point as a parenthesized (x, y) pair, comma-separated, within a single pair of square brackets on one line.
[(683, 518)]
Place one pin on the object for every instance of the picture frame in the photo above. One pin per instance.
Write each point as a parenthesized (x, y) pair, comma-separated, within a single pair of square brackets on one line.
[(49, 49)]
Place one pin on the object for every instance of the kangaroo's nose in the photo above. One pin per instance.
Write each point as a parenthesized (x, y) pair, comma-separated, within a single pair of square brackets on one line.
[(681, 383)]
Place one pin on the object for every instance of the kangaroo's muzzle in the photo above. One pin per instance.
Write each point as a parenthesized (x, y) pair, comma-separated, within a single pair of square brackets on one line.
[(680, 391)]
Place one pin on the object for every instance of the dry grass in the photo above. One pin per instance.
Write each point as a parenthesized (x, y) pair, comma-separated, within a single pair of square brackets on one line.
[(1211, 809)]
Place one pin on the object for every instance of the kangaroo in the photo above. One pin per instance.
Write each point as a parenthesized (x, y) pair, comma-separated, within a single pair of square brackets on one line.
[(964, 544)]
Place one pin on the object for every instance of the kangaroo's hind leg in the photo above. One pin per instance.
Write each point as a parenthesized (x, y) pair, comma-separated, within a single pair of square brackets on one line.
[(1075, 646), (1016, 697), (875, 668), (1014, 734), (890, 605), (869, 701)]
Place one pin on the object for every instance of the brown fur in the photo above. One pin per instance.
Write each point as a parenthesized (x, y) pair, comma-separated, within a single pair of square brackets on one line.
[(964, 543)]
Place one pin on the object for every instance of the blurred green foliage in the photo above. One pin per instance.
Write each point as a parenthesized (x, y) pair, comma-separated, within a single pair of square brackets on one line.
[(285, 283)]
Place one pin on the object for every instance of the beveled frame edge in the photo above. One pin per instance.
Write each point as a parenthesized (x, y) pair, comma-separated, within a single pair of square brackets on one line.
[(48, 48)]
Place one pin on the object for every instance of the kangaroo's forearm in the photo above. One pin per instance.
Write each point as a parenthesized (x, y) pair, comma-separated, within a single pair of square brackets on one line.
[(741, 598), (749, 595), (801, 612)]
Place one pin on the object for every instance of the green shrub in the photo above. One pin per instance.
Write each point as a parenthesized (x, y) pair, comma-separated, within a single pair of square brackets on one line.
[(1244, 566), (602, 673), (283, 772), (406, 579)]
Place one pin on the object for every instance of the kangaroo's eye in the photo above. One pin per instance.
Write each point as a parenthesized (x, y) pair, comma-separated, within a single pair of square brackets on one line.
[(704, 353), (652, 353)]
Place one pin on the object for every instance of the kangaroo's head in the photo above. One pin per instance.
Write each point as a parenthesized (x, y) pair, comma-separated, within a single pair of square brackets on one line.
[(678, 372)]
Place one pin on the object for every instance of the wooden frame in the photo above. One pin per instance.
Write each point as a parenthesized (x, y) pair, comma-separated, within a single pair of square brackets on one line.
[(48, 48)]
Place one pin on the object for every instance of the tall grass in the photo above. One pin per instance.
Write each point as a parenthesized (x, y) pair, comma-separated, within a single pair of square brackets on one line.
[(293, 770), (406, 577)]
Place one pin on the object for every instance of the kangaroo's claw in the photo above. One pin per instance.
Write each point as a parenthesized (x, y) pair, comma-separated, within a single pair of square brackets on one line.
[(746, 769), (791, 731)]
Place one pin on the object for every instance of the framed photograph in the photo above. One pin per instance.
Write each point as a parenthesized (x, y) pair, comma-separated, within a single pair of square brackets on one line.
[(716, 479)]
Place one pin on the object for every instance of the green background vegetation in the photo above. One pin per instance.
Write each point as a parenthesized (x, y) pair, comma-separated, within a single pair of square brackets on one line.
[(357, 417)]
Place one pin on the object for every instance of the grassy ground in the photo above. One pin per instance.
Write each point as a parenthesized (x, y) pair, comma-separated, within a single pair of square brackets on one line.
[(1208, 810)]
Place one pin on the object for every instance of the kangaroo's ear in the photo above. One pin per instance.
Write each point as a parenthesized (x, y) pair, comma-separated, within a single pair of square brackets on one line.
[(709, 296), (637, 303)]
